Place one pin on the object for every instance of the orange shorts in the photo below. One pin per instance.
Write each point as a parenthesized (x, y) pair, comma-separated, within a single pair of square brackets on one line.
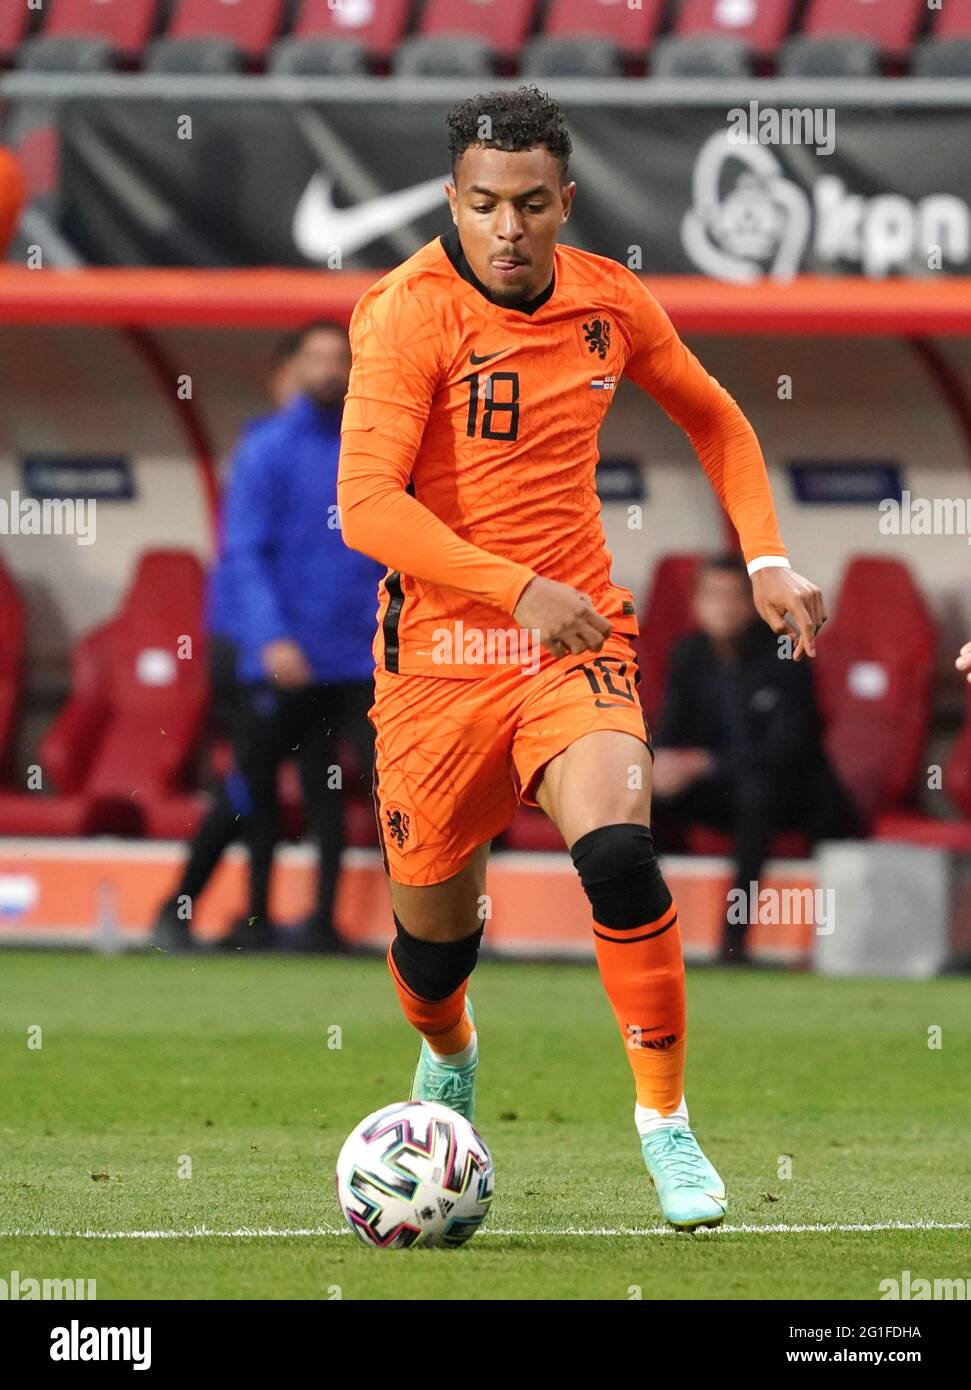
[(455, 757)]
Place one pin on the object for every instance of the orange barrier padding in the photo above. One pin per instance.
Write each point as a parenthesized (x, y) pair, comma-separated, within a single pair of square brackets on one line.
[(837, 306), (99, 891)]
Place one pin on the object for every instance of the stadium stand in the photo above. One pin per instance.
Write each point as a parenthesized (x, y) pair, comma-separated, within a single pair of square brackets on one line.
[(558, 38)]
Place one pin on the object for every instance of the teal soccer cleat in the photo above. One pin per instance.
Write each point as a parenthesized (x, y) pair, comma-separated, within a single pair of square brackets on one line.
[(690, 1191), (451, 1086)]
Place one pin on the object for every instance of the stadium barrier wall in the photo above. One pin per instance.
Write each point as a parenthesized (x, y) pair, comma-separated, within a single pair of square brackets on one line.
[(104, 893)]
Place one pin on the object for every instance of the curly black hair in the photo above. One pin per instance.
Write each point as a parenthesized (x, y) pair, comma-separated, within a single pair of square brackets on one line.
[(518, 120)]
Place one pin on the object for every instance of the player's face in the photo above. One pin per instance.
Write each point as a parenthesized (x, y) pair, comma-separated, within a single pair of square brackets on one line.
[(723, 604), (321, 367), (509, 208)]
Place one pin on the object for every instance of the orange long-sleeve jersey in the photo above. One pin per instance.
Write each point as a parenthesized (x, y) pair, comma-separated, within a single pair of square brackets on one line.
[(469, 445)]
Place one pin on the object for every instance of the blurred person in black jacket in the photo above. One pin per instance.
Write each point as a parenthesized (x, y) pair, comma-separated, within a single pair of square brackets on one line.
[(739, 748)]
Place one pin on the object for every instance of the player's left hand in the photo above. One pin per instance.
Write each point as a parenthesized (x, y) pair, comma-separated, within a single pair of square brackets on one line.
[(780, 592)]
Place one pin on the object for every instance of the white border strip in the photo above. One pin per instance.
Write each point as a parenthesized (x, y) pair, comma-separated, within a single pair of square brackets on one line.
[(271, 1233)]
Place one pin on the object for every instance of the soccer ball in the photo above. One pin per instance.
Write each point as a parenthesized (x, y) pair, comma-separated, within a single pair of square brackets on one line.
[(414, 1173)]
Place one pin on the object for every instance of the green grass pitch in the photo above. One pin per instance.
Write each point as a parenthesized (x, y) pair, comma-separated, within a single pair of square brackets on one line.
[(232, 1063)]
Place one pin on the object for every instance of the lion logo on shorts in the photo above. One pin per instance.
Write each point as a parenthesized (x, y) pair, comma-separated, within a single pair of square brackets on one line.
[(398, 822)]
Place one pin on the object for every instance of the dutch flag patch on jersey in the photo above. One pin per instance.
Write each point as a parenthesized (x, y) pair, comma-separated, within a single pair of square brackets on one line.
[(603, 383)]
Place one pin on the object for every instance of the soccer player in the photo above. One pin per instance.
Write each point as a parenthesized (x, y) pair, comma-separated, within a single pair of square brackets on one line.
[(482, 369)]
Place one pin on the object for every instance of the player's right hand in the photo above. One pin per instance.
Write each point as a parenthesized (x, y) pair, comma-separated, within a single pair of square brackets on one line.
[(565, 619), (286, 665), (963, 662)]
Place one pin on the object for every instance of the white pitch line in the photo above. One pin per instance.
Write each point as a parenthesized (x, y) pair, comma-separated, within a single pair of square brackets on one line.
[(271, 1233)]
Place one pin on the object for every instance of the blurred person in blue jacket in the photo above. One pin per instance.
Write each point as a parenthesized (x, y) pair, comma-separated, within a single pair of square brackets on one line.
[(298, 606)]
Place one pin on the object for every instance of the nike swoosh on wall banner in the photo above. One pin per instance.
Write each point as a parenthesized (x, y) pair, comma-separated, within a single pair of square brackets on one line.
[(320, 228)]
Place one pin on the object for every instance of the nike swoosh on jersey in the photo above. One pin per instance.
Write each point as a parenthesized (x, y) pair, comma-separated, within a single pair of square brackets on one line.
[(320, 228), (612, 704), (477, 361)]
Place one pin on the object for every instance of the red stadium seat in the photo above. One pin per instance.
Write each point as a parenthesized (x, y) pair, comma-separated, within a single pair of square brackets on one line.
[(251, 25), (11, 661), (632, 30), (873, 682), (118, 752), (666, 617), (378, 27), (505, 24), (14, 22), (889, 24), (760, 24), (158, 699), (127, 24), (954, 20)]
